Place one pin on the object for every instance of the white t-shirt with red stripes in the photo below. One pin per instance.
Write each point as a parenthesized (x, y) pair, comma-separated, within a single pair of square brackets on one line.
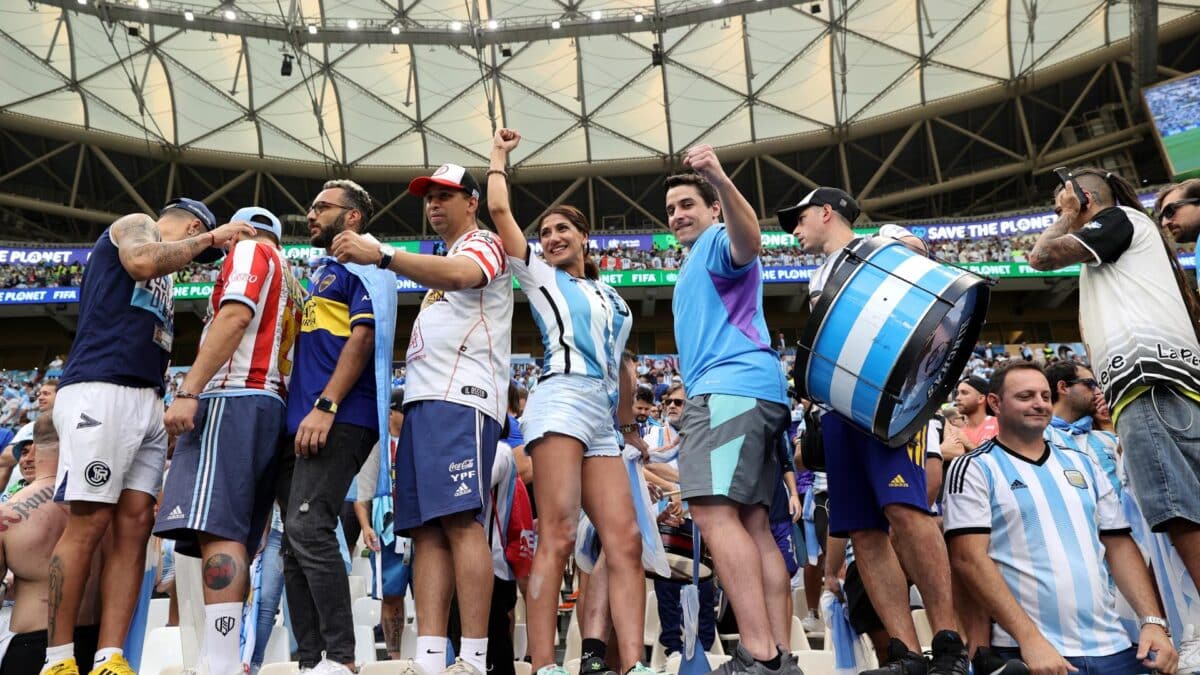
[(256, 274), (462, 340)]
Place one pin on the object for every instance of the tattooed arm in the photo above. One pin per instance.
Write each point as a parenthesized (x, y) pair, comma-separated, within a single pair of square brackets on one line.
[(145, 255), (1055, 249)]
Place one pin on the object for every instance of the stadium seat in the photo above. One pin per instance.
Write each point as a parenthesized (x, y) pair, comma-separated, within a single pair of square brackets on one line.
[(408, 642), (658, 656), (651, 627), (924, 631), (827, 640), (799, 639), (574, 639), (358, 587), (157, 615), (799, 603), (523, 668), (519, 610), (815, 662), (572, 666), (278, 645), (672, 665), (367, 612), (361, 566), (171, 670), (162, 649), (520, 640), (287, 668), (401, 667), (718, 649), (364, 644)]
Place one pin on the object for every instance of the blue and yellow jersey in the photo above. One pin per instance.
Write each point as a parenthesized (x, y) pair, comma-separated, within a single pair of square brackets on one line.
[(337, 302)]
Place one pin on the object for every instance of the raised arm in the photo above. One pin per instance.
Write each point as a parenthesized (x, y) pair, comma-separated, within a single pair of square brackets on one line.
[(741, 223), (499, 207), (1054, 249), (145, 256)]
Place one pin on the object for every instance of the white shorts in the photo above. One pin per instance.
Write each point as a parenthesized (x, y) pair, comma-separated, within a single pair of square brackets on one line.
[(110, 438), (575, 406)]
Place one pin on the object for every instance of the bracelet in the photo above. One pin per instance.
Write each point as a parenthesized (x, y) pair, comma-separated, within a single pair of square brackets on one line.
[(627, 428), (187, 394), (501, 172)]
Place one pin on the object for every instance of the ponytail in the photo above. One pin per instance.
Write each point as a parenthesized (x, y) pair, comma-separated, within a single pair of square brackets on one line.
[(590, 269)]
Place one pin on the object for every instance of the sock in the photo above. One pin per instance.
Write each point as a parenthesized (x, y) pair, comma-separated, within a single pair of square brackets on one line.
[(431, 653), (474, 652), (221, 648), (59, 653), (775, 662), (103, 654), (591, 648)]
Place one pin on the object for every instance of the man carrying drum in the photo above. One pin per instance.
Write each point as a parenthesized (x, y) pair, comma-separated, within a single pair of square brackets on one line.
[(873, 487)]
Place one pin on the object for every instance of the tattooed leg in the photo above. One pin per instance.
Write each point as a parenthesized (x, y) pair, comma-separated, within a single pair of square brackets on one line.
[(393, 624), (226, 570), (70, 567)]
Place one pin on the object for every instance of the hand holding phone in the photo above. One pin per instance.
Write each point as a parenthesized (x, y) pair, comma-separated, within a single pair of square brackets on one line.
[(1064, 177)]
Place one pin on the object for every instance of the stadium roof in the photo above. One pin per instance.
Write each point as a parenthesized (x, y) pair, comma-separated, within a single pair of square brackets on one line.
[(415, 83)]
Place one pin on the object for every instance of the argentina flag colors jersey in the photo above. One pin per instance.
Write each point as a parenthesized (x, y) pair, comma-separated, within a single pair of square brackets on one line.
[(1045, 519), (584, 323)]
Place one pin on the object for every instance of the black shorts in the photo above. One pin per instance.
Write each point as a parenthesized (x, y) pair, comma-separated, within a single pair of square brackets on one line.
[(862, 615), (27, 652), (821, 518)]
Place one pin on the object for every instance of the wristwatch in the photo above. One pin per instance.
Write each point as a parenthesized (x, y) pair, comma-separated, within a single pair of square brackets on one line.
[(1156, 621), (387, 252), (627, 428), (325, 405)]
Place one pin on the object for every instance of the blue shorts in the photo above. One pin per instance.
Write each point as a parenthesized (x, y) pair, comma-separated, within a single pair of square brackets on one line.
[(1160, 431), (865, 475), (222, 476), (783, 539), (397, 574), (575, 406), (443, 463)]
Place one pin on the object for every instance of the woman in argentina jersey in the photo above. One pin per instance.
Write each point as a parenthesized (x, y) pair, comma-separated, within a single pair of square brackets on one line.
[(568, 422)]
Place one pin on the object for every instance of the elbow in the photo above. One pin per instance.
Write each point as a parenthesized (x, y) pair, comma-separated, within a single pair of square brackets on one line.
[(1038, 262), (141, 270)]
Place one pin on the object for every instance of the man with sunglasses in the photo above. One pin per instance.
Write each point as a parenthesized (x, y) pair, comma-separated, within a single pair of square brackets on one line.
[(1140, 319), (1178, 209), (332, 424)]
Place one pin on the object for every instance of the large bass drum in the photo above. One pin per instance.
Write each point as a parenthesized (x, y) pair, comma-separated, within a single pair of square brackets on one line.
[(889, 337)]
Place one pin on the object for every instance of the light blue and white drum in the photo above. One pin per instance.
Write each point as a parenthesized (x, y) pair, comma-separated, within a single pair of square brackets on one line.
[(889, 337)]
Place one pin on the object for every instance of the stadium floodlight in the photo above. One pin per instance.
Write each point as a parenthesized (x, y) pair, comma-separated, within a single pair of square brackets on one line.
[(456, 26), (352, 24), (230, 15), (143, 4), (395, 30), (312, 29), (82, 2), (493, 24), (638, 18), (597, 15), (556, 24), (188, 15)]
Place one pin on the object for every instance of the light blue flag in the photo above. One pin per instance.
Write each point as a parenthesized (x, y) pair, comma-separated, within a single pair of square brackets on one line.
[(136, 637), (693, 661)]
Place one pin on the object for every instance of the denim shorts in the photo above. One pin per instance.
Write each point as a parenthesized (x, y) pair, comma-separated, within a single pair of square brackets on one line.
[(1122, 663), (575, 406), (1160, 431)]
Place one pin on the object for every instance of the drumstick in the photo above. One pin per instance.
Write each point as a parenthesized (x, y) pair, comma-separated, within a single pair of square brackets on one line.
[(672, 493)]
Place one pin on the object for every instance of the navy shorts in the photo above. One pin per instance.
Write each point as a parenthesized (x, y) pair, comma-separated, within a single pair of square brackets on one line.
[(443, 463), (865, 475), (782, 532), (222, 476)]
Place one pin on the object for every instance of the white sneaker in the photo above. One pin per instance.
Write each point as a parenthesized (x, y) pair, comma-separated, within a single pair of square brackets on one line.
[(1189, 650), (327, 667), (812, 624), (460, 667)]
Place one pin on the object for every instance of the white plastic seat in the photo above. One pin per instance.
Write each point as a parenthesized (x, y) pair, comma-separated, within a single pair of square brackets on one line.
[(360, 566), (924, 630), (523, 668), (799, 639), (658, 656), (799, 603), (651, 627), (572, 666), (278, 645), (574, 649), (401, 667), (520, 640), (408, 642), (162, 649), (367, 612), (158, 613), (285, 668), (358, 587), (815, 662), (364, 644)]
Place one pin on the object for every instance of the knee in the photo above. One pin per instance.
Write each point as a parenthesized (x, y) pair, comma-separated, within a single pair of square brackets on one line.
[(134, 523), (623, 546), (556, 536), (904, 517)]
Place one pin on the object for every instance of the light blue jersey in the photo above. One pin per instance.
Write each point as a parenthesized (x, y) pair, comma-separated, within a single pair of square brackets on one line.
[(1045, 519), (720, 330), (584, 323)]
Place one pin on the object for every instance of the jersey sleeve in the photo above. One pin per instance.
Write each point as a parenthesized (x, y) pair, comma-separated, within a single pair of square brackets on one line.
[(719, 257), (933, 438), (1110, 516), (531, 271), (358, 299), (485, 249), (967, 506), (1107, 236), (246, 271), (893, 231)]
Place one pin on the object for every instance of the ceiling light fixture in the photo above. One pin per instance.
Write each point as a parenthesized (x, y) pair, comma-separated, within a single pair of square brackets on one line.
[(312, 29), (597, 15), (143, 4), (556, 24), (188, 15), (352, 24), (456, 25), (395, 30), (230, 15), (638, 18), (493, 24)]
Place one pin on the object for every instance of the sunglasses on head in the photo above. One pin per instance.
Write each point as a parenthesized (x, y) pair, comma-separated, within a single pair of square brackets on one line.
[(1169, 210)]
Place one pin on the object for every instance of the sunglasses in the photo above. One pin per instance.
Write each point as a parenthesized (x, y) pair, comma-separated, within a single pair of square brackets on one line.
[(1169, 210), (1087, 382), (674, 401)]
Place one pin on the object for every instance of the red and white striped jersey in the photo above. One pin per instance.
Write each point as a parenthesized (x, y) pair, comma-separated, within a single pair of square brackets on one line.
[(461, 341), (256, 274)]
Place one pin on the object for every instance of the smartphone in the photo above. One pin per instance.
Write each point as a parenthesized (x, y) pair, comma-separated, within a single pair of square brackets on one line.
[(1063, 176)]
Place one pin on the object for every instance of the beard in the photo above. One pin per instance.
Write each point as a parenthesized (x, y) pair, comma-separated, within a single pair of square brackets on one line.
[(324, 237), (641, 419)]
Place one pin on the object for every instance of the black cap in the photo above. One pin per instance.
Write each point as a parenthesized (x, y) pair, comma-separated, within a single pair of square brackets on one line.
[(202, 213), (839, 201), (397, 403), (977, 383)]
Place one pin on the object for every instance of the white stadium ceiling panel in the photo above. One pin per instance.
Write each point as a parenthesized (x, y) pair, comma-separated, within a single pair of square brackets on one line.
[(411, 83)]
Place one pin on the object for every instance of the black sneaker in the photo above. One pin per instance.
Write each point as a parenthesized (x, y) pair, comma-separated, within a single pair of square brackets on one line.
[(900, 661), (595, 666), (987, 662), (949, 655)]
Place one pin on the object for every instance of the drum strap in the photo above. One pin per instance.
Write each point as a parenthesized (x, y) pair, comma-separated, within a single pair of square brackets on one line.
[(696, 544)]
